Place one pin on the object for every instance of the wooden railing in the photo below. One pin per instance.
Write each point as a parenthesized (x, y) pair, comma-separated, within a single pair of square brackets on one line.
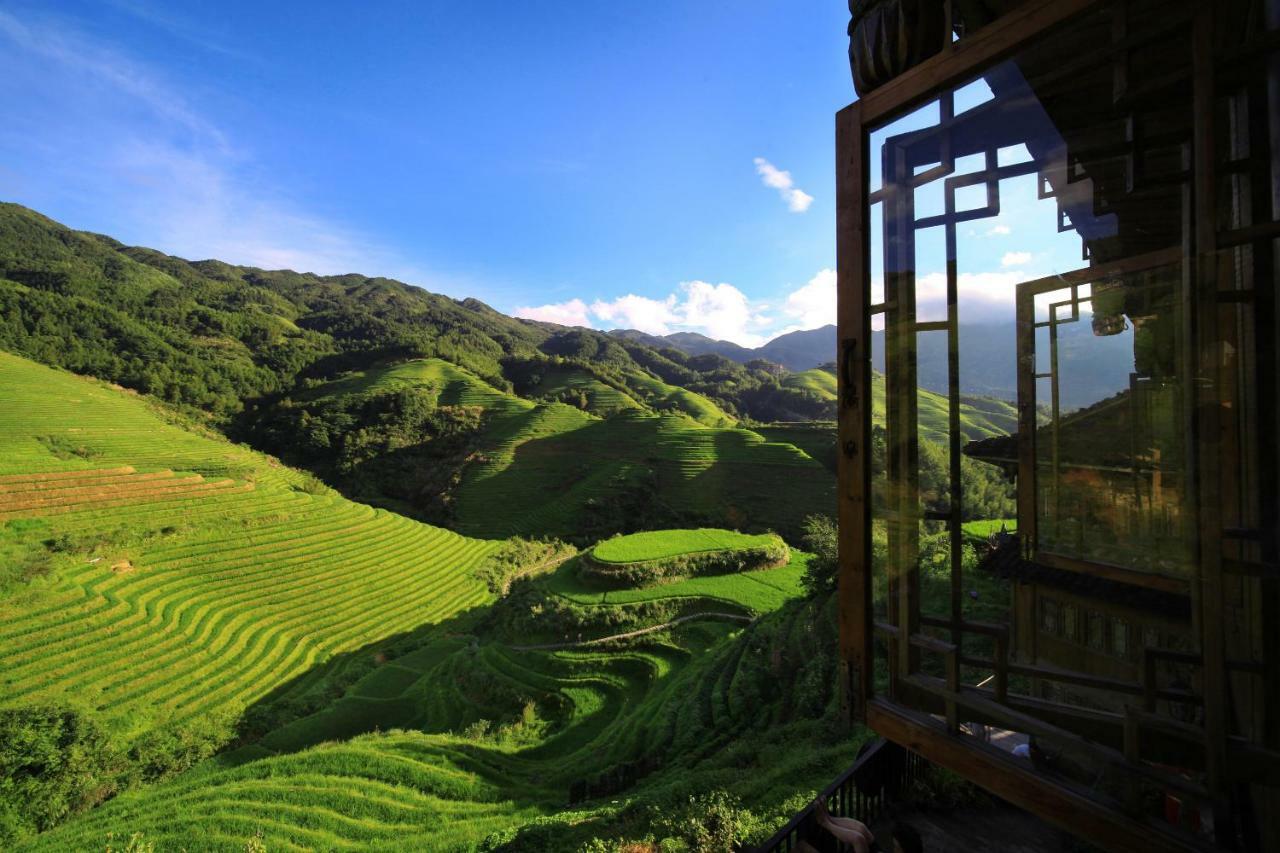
[(882, 773)]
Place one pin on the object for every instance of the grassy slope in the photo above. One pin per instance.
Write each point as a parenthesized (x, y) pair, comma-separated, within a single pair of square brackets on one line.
[(658, 544), (980, 417), (602, 399), (455, 385), (546, 472), (657, 394), (541, 466), (229, 594), (272, 587), (821, 382)]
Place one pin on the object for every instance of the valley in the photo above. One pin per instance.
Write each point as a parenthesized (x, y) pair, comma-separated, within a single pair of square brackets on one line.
[(331, 562)]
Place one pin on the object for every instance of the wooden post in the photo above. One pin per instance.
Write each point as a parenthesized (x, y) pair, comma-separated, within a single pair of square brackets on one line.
[(901, 404), (1207, 440), (854, 390)]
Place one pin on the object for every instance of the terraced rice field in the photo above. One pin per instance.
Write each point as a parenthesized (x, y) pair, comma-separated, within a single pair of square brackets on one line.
[(603, 400), (980, 417), (431, 789), (688, 704), (757, 592), (659, 395), (660, 544), (543, 464), (249, 585), (26, 495), (820, 382), (455, 386), (174, 596), (554, 461)]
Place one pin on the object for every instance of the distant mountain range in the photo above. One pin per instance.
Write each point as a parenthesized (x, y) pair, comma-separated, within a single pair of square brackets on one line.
[(1093, 367), (794, 350)]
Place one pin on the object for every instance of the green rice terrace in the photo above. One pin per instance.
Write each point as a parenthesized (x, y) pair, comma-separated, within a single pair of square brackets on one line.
[(241, 656), (655, 556), (662, 544)]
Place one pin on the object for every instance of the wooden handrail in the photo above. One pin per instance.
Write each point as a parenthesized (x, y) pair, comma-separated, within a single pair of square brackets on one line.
[(843, 797)]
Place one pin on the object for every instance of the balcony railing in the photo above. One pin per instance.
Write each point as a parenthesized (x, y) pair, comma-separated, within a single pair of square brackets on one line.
[(882, 772)]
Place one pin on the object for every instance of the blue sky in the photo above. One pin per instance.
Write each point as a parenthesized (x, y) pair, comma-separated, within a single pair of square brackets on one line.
[(667, 166), (523, 153)]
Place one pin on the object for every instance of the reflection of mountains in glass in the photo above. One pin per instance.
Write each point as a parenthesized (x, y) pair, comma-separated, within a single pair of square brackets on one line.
[(1099, 365)]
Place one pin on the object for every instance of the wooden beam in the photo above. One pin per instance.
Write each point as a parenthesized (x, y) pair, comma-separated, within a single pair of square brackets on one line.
[(1110, 269), (1148, 580), (971, 55), (1015, 781)]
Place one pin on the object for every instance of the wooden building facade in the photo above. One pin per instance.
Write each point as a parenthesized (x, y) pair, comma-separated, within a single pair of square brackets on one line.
[(1141, 647)]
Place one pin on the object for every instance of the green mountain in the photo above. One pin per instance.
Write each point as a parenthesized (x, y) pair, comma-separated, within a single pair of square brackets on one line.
[(361, 381)]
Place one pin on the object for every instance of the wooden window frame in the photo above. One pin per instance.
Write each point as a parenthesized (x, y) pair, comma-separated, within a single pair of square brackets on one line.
[(906, 723)]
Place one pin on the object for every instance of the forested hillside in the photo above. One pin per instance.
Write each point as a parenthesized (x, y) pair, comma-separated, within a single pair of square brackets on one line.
[(213, 336)]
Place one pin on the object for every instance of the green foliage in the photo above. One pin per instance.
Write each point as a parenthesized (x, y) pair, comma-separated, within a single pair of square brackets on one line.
[(212, 335), (821, 538), (705, 823), (53, 762), (519, 557)]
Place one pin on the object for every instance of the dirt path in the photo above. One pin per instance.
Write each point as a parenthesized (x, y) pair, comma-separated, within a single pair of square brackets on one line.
[(736, 617)]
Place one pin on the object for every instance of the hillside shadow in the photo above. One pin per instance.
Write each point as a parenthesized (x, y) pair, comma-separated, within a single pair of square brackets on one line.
[(762, 494), (583, 485), (322, 704), (339, 700)]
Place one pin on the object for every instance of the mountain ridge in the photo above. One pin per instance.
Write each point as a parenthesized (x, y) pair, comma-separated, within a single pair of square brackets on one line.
[(796, 351)]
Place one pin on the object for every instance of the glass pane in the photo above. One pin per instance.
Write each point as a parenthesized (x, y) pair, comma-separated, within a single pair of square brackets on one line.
[(1111, 459)]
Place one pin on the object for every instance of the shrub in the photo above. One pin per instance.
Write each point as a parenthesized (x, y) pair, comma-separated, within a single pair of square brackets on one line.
[(53, 761), (517, 557), (821, 538), (706, 823)]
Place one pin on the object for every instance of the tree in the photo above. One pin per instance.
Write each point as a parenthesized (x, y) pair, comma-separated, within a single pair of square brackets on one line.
[(821, 539)]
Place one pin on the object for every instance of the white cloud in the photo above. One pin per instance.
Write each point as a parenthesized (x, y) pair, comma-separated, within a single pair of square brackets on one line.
[(720, 311), (981, 294), (571, 313), (1015, 259), (651, 316), (813, 305), (999, 231), (797, 200)]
